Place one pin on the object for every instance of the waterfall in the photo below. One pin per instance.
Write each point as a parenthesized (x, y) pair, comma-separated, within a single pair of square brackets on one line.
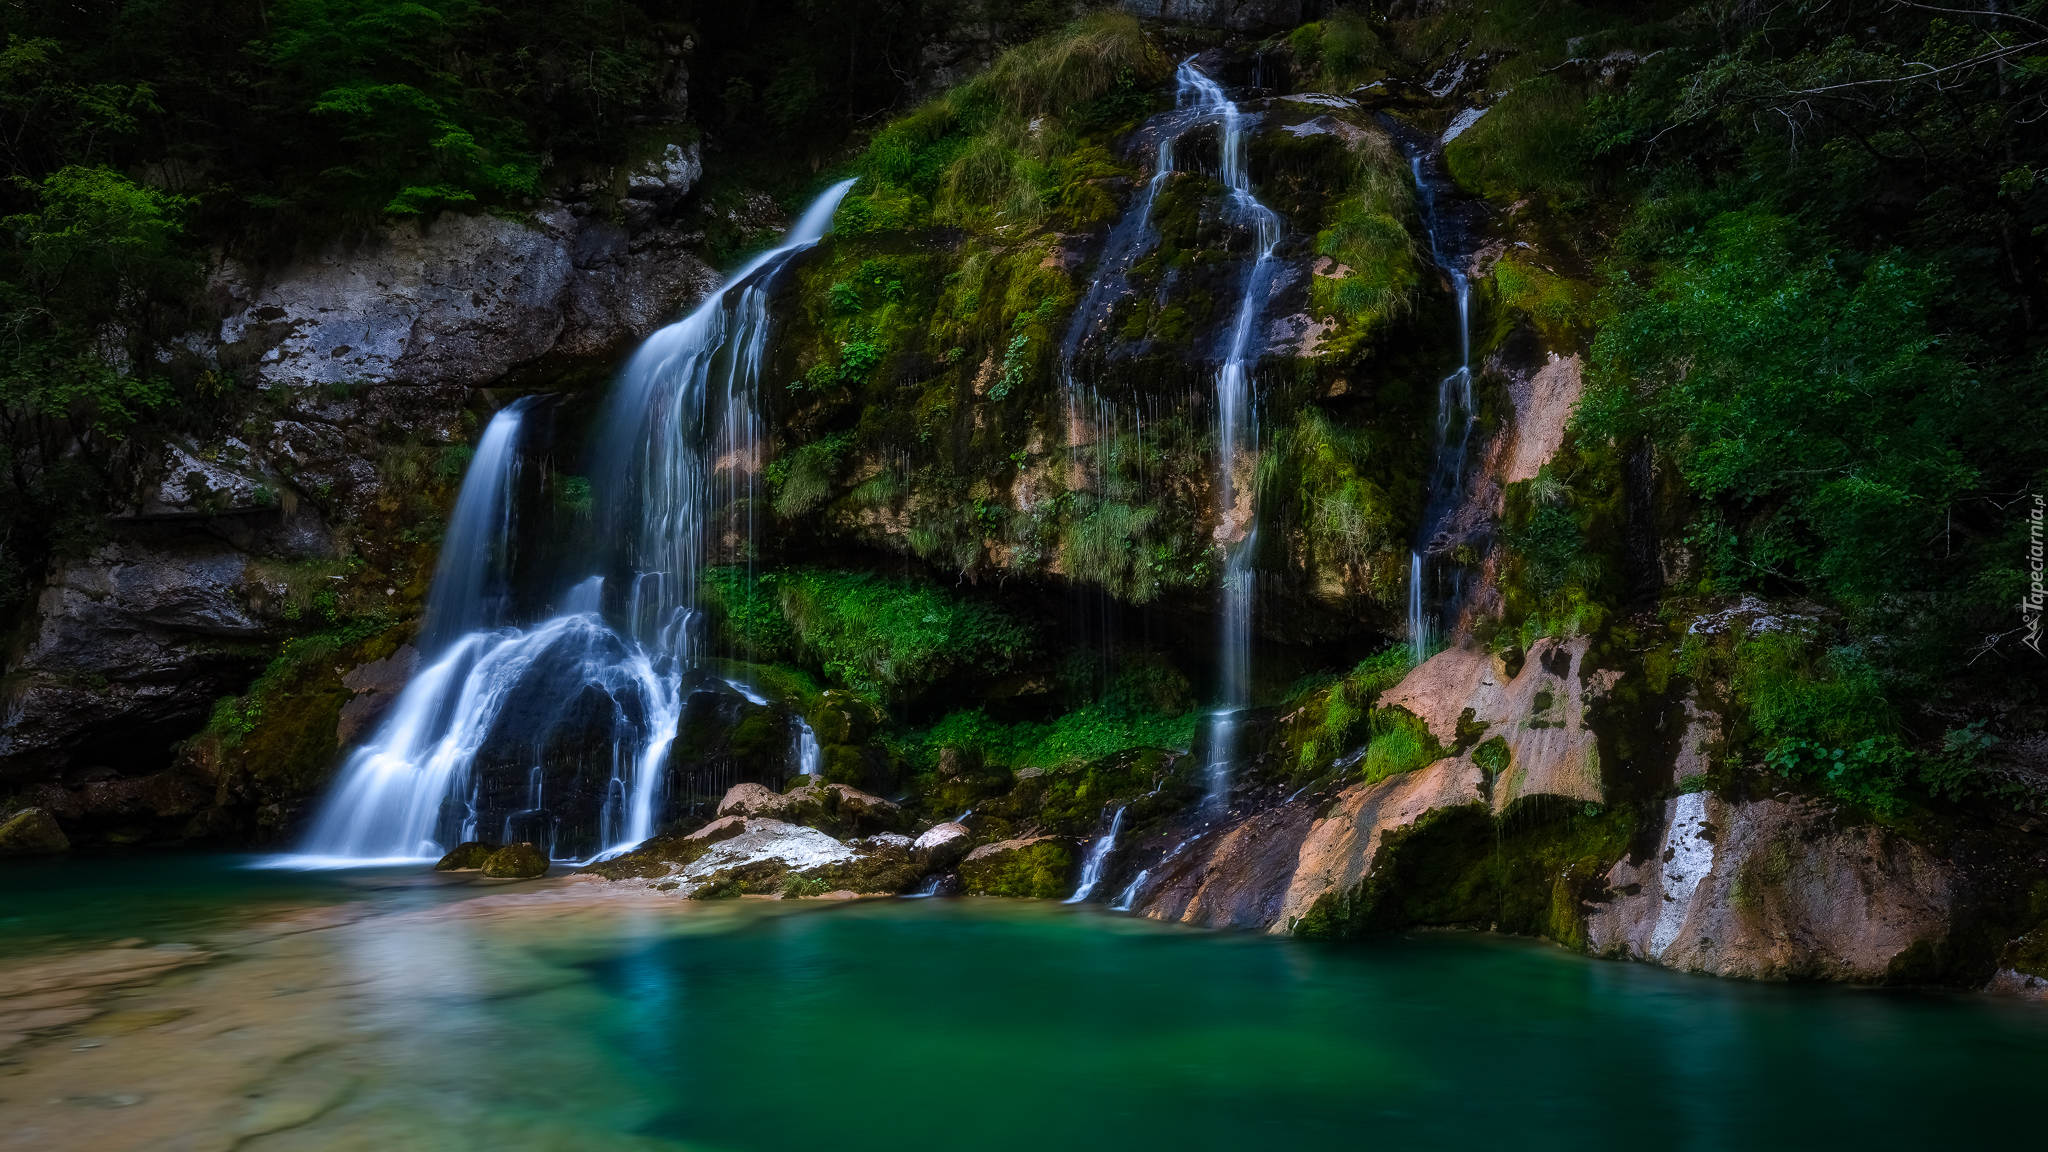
[(1236, 442), (682, 445), (1129, 895), (469, 581), (804, 752), (1456, 416), (1098, 856)]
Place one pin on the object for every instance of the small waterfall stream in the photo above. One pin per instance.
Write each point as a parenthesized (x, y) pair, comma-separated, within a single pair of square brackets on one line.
[(1198, 101), (1237, 442), (682, 442), (1456, 412), (1097, 859)]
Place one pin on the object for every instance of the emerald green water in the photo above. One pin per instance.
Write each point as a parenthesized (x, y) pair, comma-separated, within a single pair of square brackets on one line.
[(990, 1024)]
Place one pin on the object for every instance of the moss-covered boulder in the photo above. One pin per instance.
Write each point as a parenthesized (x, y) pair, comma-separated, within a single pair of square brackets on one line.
[(32, 832), (516, 862), (1042, 867), (467, 856)]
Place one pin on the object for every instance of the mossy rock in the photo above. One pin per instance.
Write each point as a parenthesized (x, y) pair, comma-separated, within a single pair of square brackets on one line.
[(466, 857), (516, 862), (2029, 953), (32, 832), (659, 857), (1043, 868)]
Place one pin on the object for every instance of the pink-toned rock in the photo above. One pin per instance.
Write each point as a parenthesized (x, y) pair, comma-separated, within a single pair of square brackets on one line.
[(1552, 750)]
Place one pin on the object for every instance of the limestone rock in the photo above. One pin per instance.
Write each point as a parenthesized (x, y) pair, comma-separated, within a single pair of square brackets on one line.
[(1231, 878), (836, 808), (32, 832), (1541, 714), (516, 862), (467, 857), (941, 846), (1775, 890), (1042, 867), (1340, 849)]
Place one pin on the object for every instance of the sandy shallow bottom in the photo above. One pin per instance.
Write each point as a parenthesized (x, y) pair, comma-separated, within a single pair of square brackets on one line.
[(334, 1028)]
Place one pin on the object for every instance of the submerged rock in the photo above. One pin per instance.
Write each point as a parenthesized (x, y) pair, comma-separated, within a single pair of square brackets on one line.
[(466, 857), (32, 832), (516, 862), (1041, 867)]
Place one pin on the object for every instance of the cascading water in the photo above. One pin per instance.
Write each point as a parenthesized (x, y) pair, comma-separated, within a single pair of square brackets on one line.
[(1456, 416), (683, 436), (1198, 101), (1236, 441), (1098, 856), (468, 592), (805, 755)]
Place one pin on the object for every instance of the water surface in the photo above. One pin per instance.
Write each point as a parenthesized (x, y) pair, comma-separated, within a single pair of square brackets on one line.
[(560, 1018)]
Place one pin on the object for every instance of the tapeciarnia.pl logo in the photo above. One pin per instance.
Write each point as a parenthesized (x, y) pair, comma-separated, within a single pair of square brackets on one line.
[(2036, 595)]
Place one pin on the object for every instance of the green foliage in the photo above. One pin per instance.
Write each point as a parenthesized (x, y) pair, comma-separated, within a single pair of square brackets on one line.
[(1401, 742), (1809, 400), (1337, 483), (880, 637), (1082, 736), (1327, 715)]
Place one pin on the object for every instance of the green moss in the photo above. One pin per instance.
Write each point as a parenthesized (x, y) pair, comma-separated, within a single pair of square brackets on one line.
[(1532, 871), (467, 855), (1042, 871)]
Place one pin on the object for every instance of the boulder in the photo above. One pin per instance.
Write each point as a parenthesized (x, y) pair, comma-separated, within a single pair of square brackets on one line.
[(1041, 867), (942, 846), (723, 828), (516, 862), (466, 857), (834, 808), (32, 832)]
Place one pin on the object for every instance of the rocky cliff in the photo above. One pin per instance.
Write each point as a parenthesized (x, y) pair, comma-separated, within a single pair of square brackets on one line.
[(1515, 662)]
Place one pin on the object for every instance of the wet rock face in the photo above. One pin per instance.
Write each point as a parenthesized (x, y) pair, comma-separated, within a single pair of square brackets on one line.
[(461, 300), (130, 646), (1775, 890), (361, 350)]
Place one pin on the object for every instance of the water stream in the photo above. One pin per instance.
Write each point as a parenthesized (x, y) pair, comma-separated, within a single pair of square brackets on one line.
[(1237, 441), (1097, 859), (1432, 611), (681, 445)]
